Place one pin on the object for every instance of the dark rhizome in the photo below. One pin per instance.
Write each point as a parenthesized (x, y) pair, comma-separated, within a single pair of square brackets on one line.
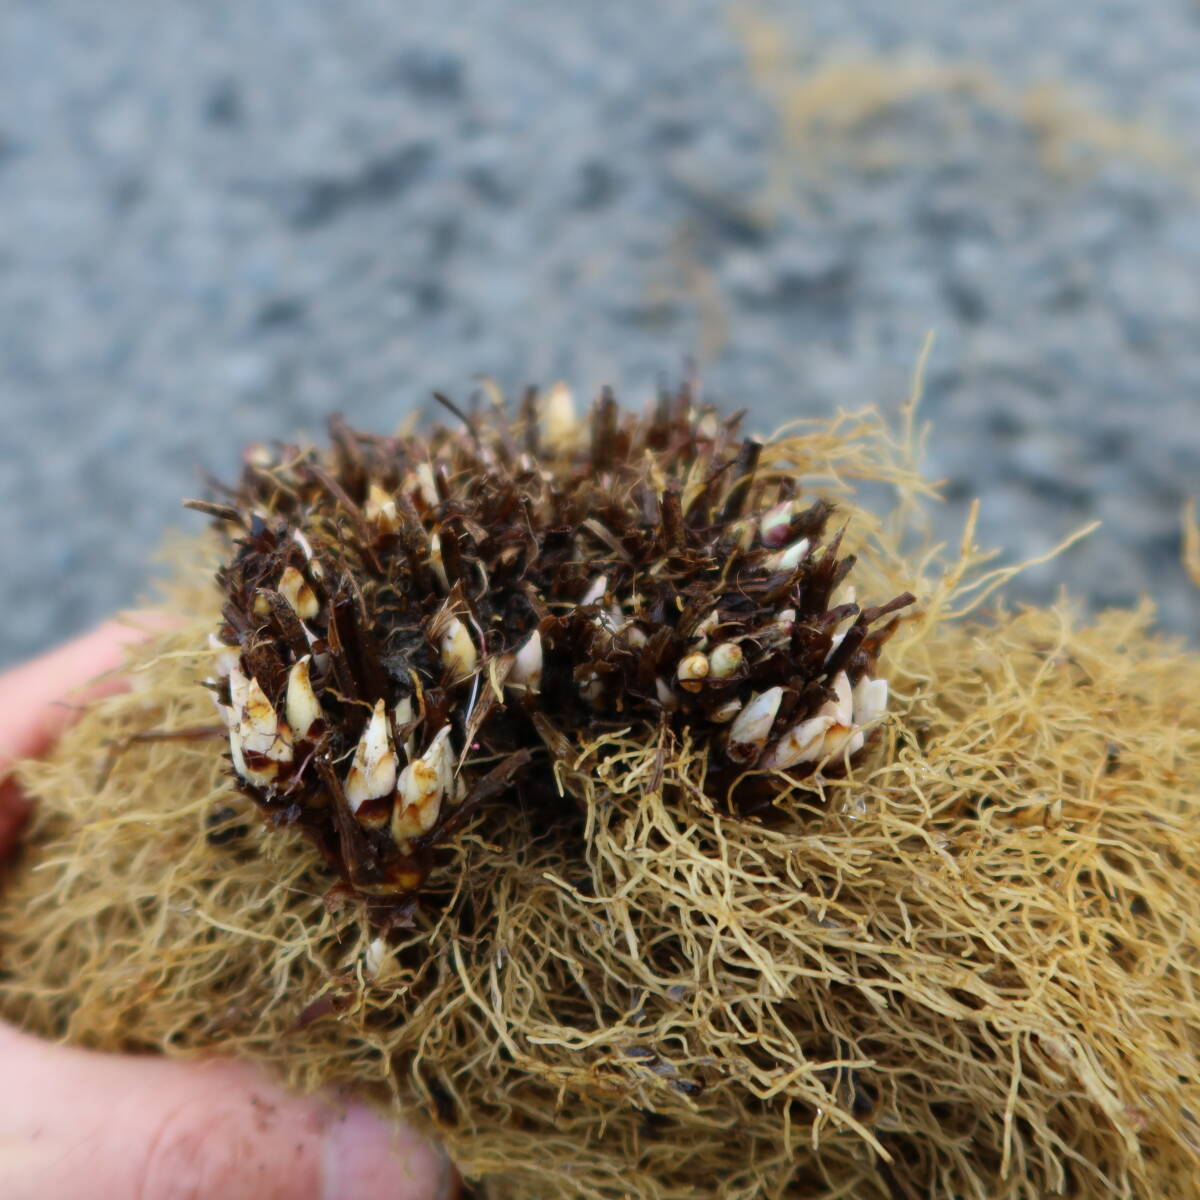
[(417, 626)]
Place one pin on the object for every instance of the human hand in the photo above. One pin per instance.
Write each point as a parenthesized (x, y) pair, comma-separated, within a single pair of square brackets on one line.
[(75, 1123)]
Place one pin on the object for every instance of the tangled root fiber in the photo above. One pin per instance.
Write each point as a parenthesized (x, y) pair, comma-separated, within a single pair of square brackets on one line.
[(966, 966)]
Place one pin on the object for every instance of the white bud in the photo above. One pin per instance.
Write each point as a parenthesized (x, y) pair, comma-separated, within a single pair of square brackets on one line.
[(692, 672), (606, 620), (527, 666), (596, 590), (773, 524), (846, 594), (380, 509), (840, 739), (869, 704), (441, 755), (403, 714), (841, 707), (375, 958), (741, 533), (560, 427), (373, 772), (635, 639), (314, 567), (834, 643), (427, 485), (710, 622), (297, 591), (225, 658), (870, 700), (261, 778), (260, 728), (856, 742), (789, 559), (725, 660), (781, 628), (666, 697), (458, 651), (592, 689), (830, 732), (304, 544), (422, 786), (302, 706), (239, 689), (748, 734), (801, 743), (437, 562), (725, 712)]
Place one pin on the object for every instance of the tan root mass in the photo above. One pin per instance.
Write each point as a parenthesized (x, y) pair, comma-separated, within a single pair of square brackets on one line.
[(963, 964)]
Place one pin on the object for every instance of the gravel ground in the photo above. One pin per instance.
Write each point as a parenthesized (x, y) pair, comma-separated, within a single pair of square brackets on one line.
[(219, 222)]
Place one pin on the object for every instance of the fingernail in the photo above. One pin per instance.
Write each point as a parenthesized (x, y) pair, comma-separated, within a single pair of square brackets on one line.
[(369, 1158)]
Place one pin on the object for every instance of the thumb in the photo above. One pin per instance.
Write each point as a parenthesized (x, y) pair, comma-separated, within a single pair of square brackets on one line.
[(77, 1123), (34, 707)]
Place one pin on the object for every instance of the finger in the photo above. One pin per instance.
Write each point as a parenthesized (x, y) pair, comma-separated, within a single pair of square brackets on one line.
[(77, 1123), (39, 698)]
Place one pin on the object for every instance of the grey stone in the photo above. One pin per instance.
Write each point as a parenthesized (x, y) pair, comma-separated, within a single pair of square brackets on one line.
[(221, 224)]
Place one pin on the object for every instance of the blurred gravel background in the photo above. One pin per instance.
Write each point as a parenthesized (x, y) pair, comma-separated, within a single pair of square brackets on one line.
[(220, 221)]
